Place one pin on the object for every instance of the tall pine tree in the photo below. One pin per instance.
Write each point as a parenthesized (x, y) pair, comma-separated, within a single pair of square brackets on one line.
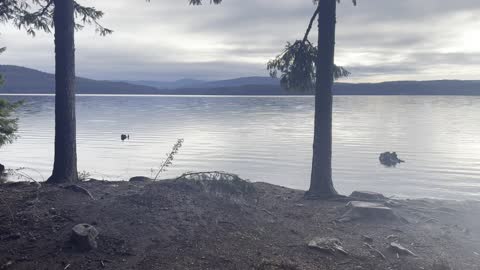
[(34, 15), (306, 67)]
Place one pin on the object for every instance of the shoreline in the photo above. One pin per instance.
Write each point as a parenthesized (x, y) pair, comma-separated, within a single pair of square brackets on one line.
[(197, 224), (243, 95)]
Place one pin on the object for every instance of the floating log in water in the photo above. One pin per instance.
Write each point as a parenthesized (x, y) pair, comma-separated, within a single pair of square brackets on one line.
[(390, 159)]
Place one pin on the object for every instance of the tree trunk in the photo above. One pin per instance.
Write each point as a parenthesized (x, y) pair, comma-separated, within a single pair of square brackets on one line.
[(321, 185), (65, 164)]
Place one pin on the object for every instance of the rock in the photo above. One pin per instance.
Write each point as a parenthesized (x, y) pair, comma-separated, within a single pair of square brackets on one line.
[(84, 237), (140, 179), (368, 195), (389, 159), (330, 245), (2, 169), (367, 210), (399, 249)]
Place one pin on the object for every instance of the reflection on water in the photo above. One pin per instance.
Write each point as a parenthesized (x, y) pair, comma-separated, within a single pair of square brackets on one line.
[(268, 139)]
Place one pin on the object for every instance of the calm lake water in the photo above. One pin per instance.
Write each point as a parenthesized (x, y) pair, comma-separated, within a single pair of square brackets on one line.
[(268, 139)]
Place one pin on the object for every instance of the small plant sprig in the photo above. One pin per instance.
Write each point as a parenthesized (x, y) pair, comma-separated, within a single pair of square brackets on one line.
[(168, 161), (83, 176)]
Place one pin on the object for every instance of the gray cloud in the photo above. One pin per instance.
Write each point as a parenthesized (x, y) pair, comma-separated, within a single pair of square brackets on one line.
[(160, 40)]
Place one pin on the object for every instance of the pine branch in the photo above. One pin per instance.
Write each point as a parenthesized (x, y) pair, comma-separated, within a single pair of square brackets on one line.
[(33, 15), (297, 62), (45, 8), (309, 28)]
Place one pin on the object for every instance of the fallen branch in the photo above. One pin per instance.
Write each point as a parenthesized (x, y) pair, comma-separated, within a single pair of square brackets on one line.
[(210, 175)]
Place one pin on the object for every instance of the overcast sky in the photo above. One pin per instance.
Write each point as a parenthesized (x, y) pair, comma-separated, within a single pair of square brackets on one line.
[(378, 40)]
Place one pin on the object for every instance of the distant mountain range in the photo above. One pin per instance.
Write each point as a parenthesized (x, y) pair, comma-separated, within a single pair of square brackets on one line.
[(29, 81), (183, 83), (191, 83)]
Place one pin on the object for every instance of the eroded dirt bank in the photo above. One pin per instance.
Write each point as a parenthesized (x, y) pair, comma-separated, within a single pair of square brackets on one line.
[(192, 225)]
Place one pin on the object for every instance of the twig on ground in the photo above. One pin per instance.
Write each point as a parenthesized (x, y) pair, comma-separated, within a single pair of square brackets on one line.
[(268, 212), (376, 251)]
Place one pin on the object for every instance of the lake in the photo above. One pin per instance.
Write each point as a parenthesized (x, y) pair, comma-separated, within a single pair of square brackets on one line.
[(267, 139)]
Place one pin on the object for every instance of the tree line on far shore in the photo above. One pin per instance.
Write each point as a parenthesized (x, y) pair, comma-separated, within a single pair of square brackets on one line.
[(302, 67)]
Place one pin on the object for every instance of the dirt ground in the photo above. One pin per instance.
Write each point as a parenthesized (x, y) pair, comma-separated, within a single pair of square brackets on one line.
[(187, 224)]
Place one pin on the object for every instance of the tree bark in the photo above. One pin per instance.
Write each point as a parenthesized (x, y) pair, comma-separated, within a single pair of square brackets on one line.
[(65, 164), (321, 184)]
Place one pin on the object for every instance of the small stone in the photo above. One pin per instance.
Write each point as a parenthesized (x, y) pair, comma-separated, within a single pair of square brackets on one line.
[(330, 245), (52, 211), (84, 236)]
